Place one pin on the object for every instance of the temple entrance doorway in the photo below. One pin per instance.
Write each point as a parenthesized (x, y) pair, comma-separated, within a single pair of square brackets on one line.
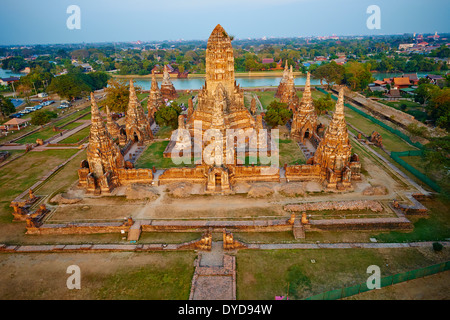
[(135, 137), (307, 135), (218, 181)]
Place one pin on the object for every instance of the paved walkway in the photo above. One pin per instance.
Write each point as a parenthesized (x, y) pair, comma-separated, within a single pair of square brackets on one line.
[(68, 133), (214, 276), (41, 248)]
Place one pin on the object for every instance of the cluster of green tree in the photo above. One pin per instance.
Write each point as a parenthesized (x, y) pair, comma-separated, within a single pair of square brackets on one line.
[(14, 63), (415, 63), (6, 107), (118, 94), (354, 74), (324, 104), (442, 52), (168, 115), (277, 114), (42, 117), (437, 102), (77, 84)]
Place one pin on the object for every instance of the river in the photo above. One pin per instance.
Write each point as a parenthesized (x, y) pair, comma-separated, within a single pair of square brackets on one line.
[(197, 83)]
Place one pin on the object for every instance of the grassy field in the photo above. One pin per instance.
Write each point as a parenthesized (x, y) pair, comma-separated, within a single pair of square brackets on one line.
[(42, 134), (290, 153), (77, 136), (72, 125), (265, 274), (390, 141), (164, 132), (266, 97), (22, 173), (153, 276), (434, 227), (413, 108), (153, 156)]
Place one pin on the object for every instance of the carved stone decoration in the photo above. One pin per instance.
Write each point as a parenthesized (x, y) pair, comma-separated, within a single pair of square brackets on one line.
[(229, 243), (167, 89), (137, 125)]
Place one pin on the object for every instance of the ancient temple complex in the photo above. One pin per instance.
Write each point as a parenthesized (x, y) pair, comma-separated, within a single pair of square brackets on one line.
[(218, 134), (167, 89), (221, 108)]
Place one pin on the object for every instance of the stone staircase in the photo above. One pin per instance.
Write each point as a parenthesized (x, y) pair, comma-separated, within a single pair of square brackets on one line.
[(305, 150)]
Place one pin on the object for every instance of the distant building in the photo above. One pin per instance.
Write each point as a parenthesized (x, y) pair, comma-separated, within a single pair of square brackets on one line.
[(7, 81), (413, 78), (267, 60), (401, 82), (405, 46), (435, 78)]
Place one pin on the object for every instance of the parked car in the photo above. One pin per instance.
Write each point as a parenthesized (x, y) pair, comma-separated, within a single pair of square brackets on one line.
[(15, 115)]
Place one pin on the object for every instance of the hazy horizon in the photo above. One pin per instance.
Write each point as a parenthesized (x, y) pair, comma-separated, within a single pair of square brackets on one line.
[(102, 21)]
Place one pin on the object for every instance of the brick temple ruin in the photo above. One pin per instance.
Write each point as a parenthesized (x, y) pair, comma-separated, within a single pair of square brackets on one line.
[(220, 108)]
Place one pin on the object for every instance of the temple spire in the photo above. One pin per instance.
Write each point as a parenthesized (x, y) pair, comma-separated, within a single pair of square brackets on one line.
[(307, 92), (340, 104), (95, 113), (133, 95)]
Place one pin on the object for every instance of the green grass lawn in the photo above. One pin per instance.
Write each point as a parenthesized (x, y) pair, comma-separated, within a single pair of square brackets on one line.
[(390, 141), (261, 275), (105, 276), (413, 108), (22, 173), (77, 136), (153, 156), (434, 227), (266, 97), (43, 134), (164, 132), (290, 153), (167, 278), (72, 125)]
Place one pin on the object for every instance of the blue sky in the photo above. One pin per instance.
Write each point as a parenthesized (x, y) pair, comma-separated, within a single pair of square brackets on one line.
[(44, 21)]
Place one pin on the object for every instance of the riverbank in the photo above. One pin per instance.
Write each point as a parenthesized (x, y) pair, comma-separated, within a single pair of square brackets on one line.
[(250, 74)]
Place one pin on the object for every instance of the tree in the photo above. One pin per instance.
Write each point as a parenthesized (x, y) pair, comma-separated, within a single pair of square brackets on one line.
[(324, 104), (42, 117), (331, 73), (6, 107), (277, 114), (168, 115), (439, 107), (357, 75), (14, 63), (424, 92), (69, 86), (118, 94)]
